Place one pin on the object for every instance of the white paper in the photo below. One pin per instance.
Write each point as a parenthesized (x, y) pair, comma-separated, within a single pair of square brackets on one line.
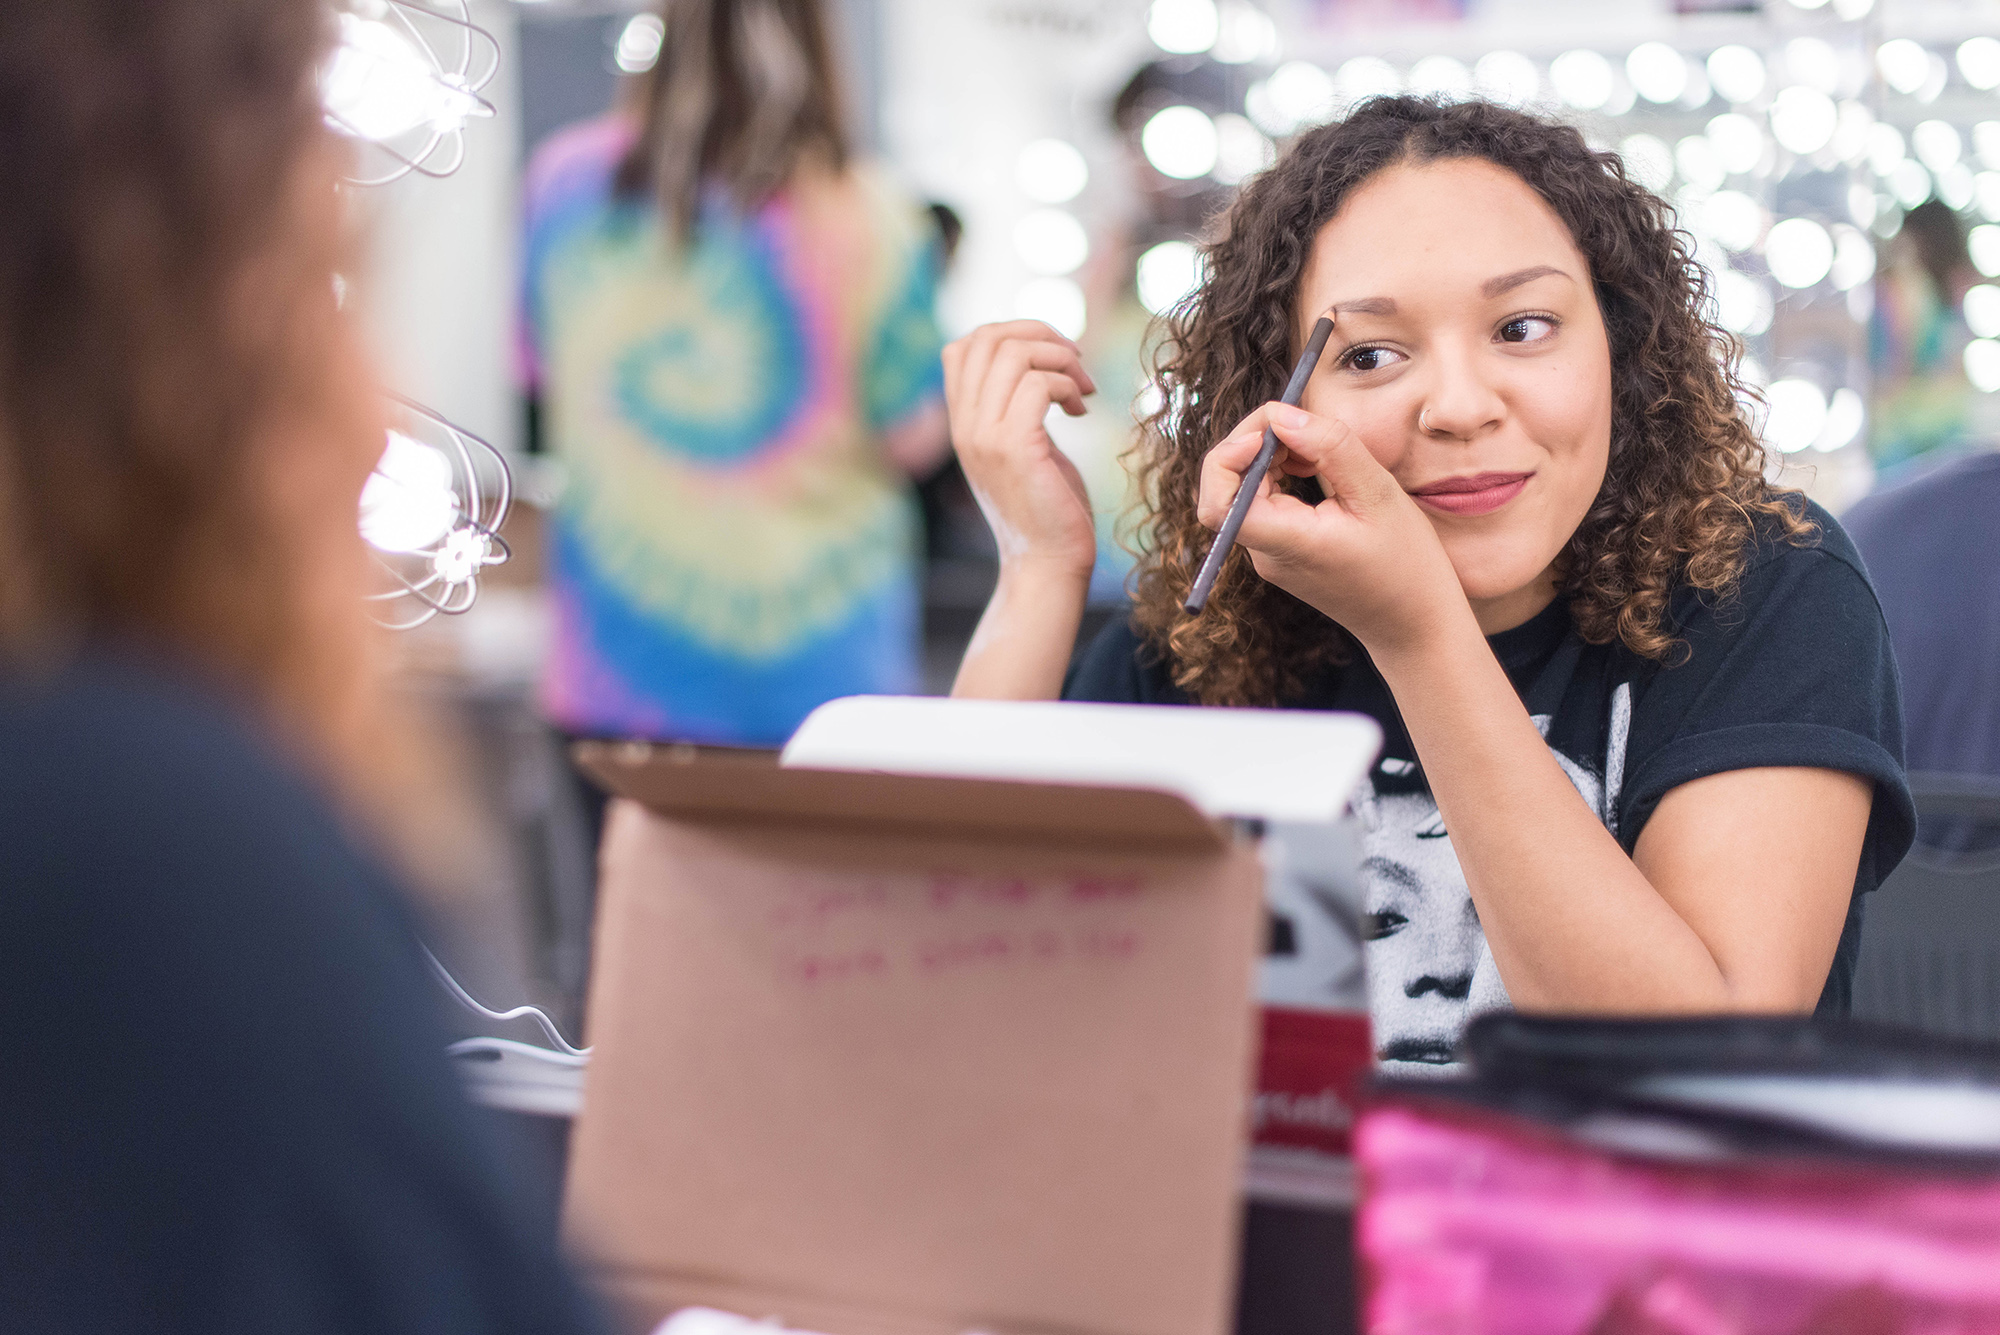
[(1270, 764)]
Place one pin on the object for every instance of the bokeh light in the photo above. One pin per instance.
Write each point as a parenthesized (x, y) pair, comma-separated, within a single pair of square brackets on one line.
[(1738, 141), (1657, 71), (1904, 64), (1648, 161), (1798, 414), (1936, 144), (1582, 79), (1440, 76), (1167, 273), (1181, 142), (1982, 364), (1507, 77), (1051, 171), (1051, 242), (1982, 243), (1737, 72), (1183, 27), (1982, 310), (1803, 119), (1056, 302), (1979, 62), (1799, 252)]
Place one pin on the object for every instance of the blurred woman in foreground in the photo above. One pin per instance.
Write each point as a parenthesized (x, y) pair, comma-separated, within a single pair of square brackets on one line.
[(227, 1108)]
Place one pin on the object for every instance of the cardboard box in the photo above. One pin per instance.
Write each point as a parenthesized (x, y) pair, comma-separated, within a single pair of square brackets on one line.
[(878, 1054)]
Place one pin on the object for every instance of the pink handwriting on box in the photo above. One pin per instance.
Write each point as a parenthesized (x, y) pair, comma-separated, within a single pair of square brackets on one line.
[(847, 930)]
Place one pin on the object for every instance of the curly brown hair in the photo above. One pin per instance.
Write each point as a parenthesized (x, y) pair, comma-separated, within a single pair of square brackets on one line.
[(1684, 493)]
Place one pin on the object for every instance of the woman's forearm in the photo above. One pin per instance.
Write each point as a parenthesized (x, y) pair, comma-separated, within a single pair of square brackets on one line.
[(1021, 649), (1572, 922)]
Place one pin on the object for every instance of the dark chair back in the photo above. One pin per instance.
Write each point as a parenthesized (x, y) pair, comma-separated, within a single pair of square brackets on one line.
[(1930, 936)]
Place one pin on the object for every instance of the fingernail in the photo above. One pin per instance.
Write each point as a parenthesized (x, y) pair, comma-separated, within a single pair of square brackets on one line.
[(1286, 415)]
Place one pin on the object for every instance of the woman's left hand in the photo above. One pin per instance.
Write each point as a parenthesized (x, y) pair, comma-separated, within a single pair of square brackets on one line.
[(1366, 556)]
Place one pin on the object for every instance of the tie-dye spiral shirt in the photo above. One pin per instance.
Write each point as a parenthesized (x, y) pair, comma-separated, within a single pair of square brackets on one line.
[(732, 547)]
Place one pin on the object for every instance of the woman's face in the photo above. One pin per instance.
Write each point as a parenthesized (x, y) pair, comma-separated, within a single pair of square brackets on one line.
[(1471, 358)]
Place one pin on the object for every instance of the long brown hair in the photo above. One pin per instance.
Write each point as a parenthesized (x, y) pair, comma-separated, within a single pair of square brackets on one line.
[(743, 94), (1684, 493), (186, 417)]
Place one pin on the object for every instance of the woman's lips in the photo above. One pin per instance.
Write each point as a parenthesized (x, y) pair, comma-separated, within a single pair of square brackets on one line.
[(1477, 494)]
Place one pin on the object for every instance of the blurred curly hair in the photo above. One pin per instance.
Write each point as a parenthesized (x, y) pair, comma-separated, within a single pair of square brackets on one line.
[(1684, 495)]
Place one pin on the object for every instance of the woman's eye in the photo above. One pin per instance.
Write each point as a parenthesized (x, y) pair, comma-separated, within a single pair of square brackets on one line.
[(1370, 359), (1527, 329), (1375, 926)]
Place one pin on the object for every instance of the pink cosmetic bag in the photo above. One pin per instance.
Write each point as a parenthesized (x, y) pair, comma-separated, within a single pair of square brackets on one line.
[(1818, 1180)]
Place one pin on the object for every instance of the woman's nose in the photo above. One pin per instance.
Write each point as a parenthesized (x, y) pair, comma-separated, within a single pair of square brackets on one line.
[(1458, 404)]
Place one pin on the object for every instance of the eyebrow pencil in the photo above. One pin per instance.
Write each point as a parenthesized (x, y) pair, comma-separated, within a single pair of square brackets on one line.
[(1253, 477)]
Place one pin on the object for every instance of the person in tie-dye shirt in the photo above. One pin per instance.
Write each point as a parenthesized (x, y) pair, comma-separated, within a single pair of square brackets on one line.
[(729, 324)]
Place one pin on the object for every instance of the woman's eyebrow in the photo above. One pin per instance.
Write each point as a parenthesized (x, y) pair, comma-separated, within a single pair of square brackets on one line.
[(1366, 306), (1507, 282)]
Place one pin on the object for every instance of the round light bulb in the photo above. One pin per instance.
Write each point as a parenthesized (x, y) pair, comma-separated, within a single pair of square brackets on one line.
[(1440, 76), (1853, 258), (1648, 161), (1657, 71), (1183, 27), (1734, 219), (1698, 163), (1986, 193), (1982, 244), (1180, 142), (1365, 77), (377, 85), (1056, 302), (1051, 242), (1241, 149), (1737, 72), (1982, 310), (1986, 144), (1979, 62), (407, 503), (1798, 414), (1582, 79), (1743, 305), (1738, 141), (1982, 364), (1936, 144), (1297, 94), (1243, 33), (1910, 183), (1803, 119), (639, 43), (1050, 171), (1799, 252), (1846, 414), (1507, 77), (1167, 273), (1885, 148), (1905, 65)]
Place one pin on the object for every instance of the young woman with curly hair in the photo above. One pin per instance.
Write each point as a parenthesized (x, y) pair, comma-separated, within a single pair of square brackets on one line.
[(1643, 743)]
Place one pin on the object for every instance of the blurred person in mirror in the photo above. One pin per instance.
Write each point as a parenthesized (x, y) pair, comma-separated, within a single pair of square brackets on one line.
[(1643, 747), (728, 319), (1933, 549), (228, 1103), (1923, 409)]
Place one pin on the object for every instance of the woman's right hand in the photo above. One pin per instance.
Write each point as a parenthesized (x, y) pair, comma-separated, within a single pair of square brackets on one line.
[(1000, 381)]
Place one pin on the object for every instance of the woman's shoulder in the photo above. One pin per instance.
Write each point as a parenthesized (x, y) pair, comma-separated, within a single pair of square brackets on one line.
[(1806, 560), (112, 762)]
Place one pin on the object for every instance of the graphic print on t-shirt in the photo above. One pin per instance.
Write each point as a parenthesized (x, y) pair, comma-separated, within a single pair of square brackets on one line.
[(1429, 967)]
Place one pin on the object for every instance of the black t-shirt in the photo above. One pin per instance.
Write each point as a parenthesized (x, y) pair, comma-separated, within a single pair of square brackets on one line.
[(1794, 669), (228, 1108)]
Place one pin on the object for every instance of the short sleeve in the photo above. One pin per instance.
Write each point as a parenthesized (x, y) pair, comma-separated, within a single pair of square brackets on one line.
[(1794, 669), (904, 369)]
